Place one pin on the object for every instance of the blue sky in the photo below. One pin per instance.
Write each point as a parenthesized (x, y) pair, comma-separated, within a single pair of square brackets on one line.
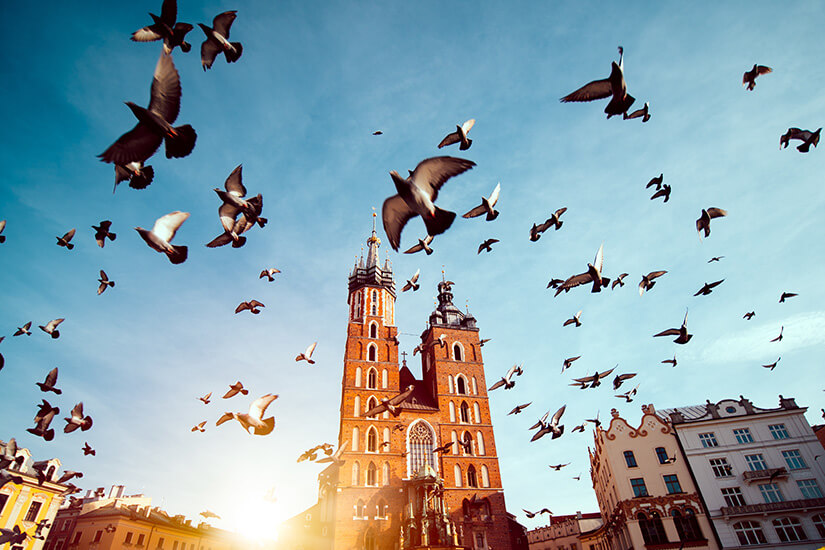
[(298, 111)]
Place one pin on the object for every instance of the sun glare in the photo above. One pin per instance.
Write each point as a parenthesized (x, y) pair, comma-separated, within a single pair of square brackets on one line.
[(255, 516)]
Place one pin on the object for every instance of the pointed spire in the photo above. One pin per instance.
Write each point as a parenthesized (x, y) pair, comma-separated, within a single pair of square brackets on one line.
[(373, 243)]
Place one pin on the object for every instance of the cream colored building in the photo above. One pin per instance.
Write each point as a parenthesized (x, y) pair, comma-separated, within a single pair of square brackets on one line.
[(563, 532), (645, 491)]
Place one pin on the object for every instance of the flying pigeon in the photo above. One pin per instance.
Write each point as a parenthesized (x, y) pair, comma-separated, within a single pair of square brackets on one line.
[(416, 195), (807, 137), (618, 281), (594, 421), (45, 408), (2, 227), (234, 389), (487, 245), (51, 328), (703, 223), (9, 455), (576, 319), (390, 404), (251, 305), (234, 203), (592, 275), (644, 112), (459, 136), (49, 384), (656, 181), (102, 232), (786, 295), (423, 244), (234, 229), (77, 420), (165, 28), (206, 398), (336, 457), (307, 355), (68, 475), (628, 395), (412, 282), (506, 380), (6, 477), (518, 408), (772, 365), (65, 240), (558, 467), (87, 450), (549, 427), (162, 233), (749, 315), (253, 422), (592, 381), (138, 175), (648, 281), (614, 86), (200, 426), (663, 192), (554, 283), (707, 288), (672, 362), (42, 428), (104, 283), (269, 273), (483, 341), (217, 40), (620, 378), (13, 536), (715, 259), (681, 333), (779, 338), (207, 514), (568, 362), (486, 206), (749, 77), (378, 133)]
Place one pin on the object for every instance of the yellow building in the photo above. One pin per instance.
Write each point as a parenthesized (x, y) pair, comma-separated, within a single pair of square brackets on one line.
[(26, 504)]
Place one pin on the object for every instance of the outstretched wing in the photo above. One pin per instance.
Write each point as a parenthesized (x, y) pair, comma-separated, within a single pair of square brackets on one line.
[(432, 173), (395, 214), (258, 407), (598, 89), (164, 97), (166, 226)]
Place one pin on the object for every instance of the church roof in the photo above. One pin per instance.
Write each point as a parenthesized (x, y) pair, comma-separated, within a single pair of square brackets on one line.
[(447, 314)]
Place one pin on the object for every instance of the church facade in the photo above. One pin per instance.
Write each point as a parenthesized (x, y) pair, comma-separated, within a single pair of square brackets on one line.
[(424, 474)]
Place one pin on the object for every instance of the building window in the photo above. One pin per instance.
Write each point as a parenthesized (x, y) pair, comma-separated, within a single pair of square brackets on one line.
[(460, 385), (372, 377), (98, 536), (789, 530), (452, 411), (464, 412), (794, 460), (733, 496), (78, 534), (819, 523), (480, 444), (687, 526), (382, 510), (372, 402), (743, 435), (475, 386), (708, 440), (385, 474), (630, 459), (661, 454), (358, 375), (372, 475), (778, 431), (809, 488), (749, 533), (139, 541), (175, 545), (457, 473), (34, 509), (652, 529), (372, 440), (771, 493), (756, 462), (356, 435), (477, 413), (371, 353), (420, 444), (672, 484), (360, 509), (160, 542), (639, 488), (128, 539), (457, 354), (374, 303), (467, 444), (3, 500), (485, 476), (472, 479), (384, 378), (480, 542), (720, 467), (373, 330), (356, 473)]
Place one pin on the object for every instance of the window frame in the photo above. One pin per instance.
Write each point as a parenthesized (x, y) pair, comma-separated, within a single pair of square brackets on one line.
[(629, 457), (749, 533), (672, 483), (787, 525), (779, 431), (720, 467), (734, 497), (760, 461), (793, 458), (771, 493), (708, 439), (639, 488)]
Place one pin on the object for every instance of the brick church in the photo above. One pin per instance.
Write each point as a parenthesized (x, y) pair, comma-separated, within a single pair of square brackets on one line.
[(424, 475)]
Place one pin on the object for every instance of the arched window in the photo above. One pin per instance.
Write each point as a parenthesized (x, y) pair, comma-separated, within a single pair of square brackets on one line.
[(420, 444), (687, 526), (477, 413), (356, 473), (373, 330), (749, 533), (449, 383), (372, 374), (385, 441), (356, 435), (457, 474), (356, 406), (475, 386), (452, 411), (371, 352), (819, 523), (382, 510), (384, 378), (480, 444), (454, 439), (385, 474), (652, 529), (371, 403), (372, 440), (485, 476), (789, 529), (467, 446), (458, 353), (374, 302), (50, 473), (369, 540), (472, 481), (372, 477), (465, 412), (460, 385), (357, 377)]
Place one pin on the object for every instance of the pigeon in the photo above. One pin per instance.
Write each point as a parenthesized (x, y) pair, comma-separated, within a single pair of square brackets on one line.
[(199, 427), (6, 477), (682, 336), (446, 449), (772, 365), (779, 338), (138, 175), (703, 223), (574, 320), (749, 78), (12, 536), (2, 227), (579, 428), (552, 221), (749, 315), (217, 40), (234, 203), (549, 427), (43, 409), (487, 245), (554, 283), (65, 240), (568, 363), (155, 122), (207, 514), (23, 330), (9, 455), (269, 273), (648, 281), (162, 233), (628, 395), (102, 232), (518, 408), (68, 475), (390, 404), (77, 420), (307, 355), (104, 283), (234, 389), (620, 378), (618, 281), (254, 422), (483, 341), (336, 457), (87, 450), (486, 206), (707, 288), (506, 380), (657, 181), (786, 295), (165, 28), (614, 86), (592, 275), (251, 305), (644, 113), (594, 421), (807, 137), (459, 136), (234, 229), (578, 477), (42, 428), (51, 328), (672, 362), (378, 133), (416, 195), (592, 381), (206, 398), (412, 282), (423, 244), (715, 259), (663, 192), (49, 384), (558, 467)]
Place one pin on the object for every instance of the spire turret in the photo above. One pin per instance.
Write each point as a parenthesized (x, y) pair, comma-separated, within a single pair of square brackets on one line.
[(371, 273)]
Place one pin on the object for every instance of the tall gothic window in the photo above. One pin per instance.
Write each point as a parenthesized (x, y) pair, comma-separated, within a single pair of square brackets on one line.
[(472, 479), (372, 440), (372, 374), (465, 412), (374, 303), (372, 402), (461, 385), (369, 541), (420, 443), (373, 330), (457, 355), (371, 353), (372, 475), (467, 447)]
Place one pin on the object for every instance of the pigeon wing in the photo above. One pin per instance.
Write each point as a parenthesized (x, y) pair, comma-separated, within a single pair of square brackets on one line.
[(606, 373), (762, 69), (668, 332), (598, 89), (574, 281), (494, 197), (310, 349), (585, 380), (497, 385), (146, 34), (557, 416), (467, 126), (209, 51), (169, 12), (138, 144), (258, 407), (716, 212), (449, 139), (225, 417), (51, 378), (227, 214), (77, 411), (166, 226), (475, 212), (401, 396), (223, 21), (234, 183), (164, 97), (395, 214), (432, 173)]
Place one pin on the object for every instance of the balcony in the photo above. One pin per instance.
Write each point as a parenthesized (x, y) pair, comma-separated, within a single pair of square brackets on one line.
[(762, 475), (764, 508)]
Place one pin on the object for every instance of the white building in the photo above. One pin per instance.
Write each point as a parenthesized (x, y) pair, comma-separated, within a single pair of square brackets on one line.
[(759, 471)]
